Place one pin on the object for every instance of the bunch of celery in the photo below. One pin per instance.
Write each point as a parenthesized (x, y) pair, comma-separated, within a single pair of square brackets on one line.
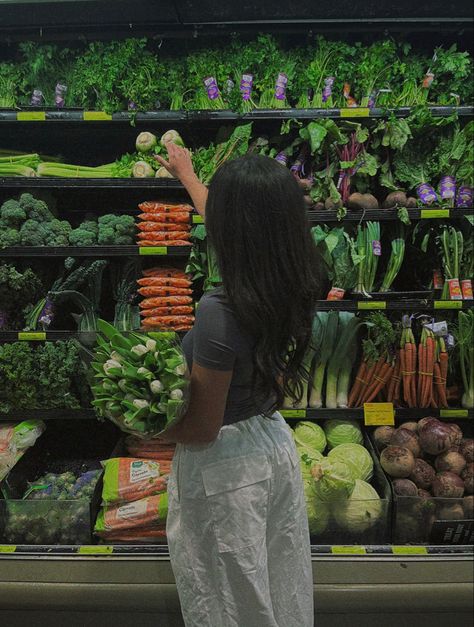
[(65, 170), (396, 259), (369, 251), (140, 381), (19, 164), (464, 334)]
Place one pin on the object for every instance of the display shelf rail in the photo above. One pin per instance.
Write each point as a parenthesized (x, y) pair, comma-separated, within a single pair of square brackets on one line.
[(383, 215), (48, 414), (422, 304), (30, 114), (153, 551), (95, 251), (39, 182), (358, 413), (41, 336)]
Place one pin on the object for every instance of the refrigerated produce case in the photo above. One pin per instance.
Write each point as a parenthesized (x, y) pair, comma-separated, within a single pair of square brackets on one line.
[(370, 580)]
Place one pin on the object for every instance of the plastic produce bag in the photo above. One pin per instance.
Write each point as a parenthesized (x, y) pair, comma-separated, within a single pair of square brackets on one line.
[(15, 439), (141, 380), (148, 512), (129, 479)]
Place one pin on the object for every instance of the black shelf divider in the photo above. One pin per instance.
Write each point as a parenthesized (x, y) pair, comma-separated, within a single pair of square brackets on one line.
[(358, 413), (31, 114), (95, 251), (48, 414), (384, 215), (392, 305), (88, 183)]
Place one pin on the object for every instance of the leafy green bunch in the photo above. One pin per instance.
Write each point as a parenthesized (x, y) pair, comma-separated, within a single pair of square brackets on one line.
[(17, 290)]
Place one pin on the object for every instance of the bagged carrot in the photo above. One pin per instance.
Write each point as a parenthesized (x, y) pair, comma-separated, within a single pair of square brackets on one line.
[(162, 271), (165, 301), (150, 206), (130, 479), (158, 321), (134, 535), (184, 310), (170, 242), (164, 235), (165, 226), (167, 218), (147, 512), (163, 290), (167, 281)]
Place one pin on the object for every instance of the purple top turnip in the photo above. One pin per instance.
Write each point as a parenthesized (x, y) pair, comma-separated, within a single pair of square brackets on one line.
[(397, 461), (448, 485)]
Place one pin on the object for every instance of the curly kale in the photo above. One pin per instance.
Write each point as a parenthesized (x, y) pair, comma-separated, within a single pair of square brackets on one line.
[(116, 230), (85, 234), (17, 290)]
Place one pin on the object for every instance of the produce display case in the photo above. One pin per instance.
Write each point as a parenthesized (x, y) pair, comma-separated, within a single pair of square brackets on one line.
[(390, 574)]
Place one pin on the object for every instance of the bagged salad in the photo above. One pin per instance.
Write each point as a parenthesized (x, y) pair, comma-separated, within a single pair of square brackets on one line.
[(15, 439), (141, 380)]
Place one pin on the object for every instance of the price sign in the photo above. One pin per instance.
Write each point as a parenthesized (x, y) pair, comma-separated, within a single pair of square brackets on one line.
[(95, 550), (354, 112), (409, 550), (371, 304), (376, 414), (32, 336), (7, 548), (153, 250), (293, 413), (31, 116), (198, 220), (453, 413), (348, 550), (96, 116), (427, 214), (447, 304)]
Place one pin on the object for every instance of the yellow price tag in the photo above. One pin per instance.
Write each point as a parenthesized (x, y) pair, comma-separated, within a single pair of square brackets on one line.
[(447, 304), (355, 112), (348, 550), (376, 414), (31, 116), (153, 250), (95, 116), (371, 304), (453, 413), (434, 213), (198, 220), (95, 550), (7, 548), (293, 413), (409, 550), (34, 336)]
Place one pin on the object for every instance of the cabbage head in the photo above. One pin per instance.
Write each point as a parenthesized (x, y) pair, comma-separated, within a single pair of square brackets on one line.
[(355, 456), (332, 480), (307, 459), (318, 516), (361, 510), (310, 435), (342, 432)]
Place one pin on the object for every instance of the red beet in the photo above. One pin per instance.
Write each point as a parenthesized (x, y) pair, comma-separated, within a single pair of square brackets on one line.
[(423, 474), (467, 449), (406, 438)]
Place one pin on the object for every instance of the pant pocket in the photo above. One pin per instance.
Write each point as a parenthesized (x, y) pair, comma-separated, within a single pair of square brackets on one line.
[(237, 491)]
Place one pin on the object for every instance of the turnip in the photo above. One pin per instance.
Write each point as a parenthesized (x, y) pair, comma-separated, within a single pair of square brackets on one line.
[(410, 425), (468, 506), (332, 205), (435, 436), (319, 206), (397, 461), (423, 474), (406, 438), (448, 485), (362, 201), (395, 199), (452, 511), (452, 461), (424, 494), (412, 203), (404, 487), (467, 476), (467, 449), (382, 436), (457, 434)]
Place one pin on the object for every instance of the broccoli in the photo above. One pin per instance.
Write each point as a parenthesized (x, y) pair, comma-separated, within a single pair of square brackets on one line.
[(116, 230), (8, 236), (85, 234), (35, 209), (33, 234), (57, 232), (12, 214)]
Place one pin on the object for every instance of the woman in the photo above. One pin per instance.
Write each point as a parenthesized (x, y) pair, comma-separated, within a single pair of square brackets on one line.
[(237, 524)]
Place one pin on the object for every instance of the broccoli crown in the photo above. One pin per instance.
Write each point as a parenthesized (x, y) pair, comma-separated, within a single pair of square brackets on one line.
[(106, 235), (84, 235), (8, 236), (12, 214), (33, 234), (35, 209), (57, 232), (116, 229)]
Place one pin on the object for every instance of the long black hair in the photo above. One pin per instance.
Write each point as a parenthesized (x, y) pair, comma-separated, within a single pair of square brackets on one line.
[(257, 225)]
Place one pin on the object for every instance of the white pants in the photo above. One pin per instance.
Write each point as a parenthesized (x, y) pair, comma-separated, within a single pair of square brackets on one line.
[(238, 531)]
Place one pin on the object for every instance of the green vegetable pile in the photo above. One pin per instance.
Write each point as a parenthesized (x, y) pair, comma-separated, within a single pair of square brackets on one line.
[(140, 380), (28, 222), (17, 290), (338, 494), (137, 74), (49, 376)]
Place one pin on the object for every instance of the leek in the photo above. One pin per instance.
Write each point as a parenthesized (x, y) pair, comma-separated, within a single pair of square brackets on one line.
[(329, 324), (368, 241), (395, 261)]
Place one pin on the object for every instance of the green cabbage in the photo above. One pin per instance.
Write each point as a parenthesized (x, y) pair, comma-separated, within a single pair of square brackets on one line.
[(355, 456), (332, 480), (310, 435), (318, 516), (342, 432), (307, 460), (361, 510)]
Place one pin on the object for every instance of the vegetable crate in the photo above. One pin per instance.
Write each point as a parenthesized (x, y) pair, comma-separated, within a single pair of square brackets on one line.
[(434, 520), (360, 532), (52, 495)]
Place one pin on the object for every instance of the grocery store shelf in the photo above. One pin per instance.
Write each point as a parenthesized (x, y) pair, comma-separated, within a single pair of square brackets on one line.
[(383, 215), (41, 336), (95, 251), (358, 413), (49, 414), (423, 304), (78, 115), (39, 182)]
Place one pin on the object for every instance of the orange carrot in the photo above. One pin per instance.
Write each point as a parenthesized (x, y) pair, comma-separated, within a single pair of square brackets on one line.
[(439, 386), (430, 359), (359, 379), (364, 384), (380, 381)]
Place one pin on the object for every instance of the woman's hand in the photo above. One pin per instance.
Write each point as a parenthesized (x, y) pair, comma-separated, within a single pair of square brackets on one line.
[(179, 163)]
